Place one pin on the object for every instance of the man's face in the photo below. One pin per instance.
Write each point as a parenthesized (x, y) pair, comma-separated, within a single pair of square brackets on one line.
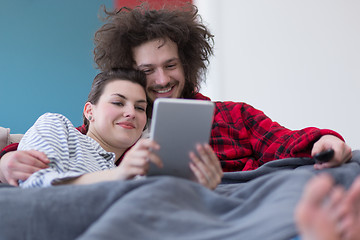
[(159, 60)]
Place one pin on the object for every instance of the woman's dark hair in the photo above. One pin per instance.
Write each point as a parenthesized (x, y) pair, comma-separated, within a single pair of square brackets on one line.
[(103, 78), (127, 28)]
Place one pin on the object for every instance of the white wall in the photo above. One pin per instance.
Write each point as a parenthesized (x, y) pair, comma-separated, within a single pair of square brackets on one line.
[(298, 61)]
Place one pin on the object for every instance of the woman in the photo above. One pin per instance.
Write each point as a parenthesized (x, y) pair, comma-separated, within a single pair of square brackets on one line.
[(115, 117)]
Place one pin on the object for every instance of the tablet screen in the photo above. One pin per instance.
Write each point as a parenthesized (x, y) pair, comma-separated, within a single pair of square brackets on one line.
[(177, 126)]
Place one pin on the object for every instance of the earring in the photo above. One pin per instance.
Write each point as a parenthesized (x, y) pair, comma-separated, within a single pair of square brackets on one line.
[(90, 118)]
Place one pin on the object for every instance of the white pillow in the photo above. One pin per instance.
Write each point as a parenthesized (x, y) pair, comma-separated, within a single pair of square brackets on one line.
[(6, 138)]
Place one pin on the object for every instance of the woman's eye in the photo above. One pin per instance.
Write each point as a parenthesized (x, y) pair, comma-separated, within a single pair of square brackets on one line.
[(142, 109), (118, 103)]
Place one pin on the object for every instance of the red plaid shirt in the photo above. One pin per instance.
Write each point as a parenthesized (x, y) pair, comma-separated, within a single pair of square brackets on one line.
[(244, 138)]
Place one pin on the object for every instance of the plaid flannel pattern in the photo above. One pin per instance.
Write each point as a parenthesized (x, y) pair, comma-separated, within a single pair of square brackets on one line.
[(244, 138)]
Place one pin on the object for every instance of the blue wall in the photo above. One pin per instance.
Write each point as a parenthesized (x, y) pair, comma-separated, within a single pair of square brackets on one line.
[(46, 60)]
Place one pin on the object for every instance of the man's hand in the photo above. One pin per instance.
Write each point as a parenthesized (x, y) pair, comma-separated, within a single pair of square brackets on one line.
[(19, 165), (342, 152)]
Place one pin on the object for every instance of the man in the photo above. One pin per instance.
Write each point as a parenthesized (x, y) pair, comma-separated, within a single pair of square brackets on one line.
[(173, 47)]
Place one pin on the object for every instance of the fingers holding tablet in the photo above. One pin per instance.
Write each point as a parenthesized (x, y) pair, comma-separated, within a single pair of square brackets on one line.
[(206, 166), (136, 160), (149, 145)]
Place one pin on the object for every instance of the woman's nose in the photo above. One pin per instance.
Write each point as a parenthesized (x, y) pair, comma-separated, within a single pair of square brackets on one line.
[(129, 111)]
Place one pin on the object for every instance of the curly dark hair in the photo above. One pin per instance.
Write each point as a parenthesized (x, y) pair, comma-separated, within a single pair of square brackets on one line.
[(127, 28)]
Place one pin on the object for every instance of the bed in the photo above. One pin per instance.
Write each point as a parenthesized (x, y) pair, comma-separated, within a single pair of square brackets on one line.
[(249, 205)]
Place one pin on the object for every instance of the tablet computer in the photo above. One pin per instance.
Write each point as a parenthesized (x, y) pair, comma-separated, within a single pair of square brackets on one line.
[(177, 126)]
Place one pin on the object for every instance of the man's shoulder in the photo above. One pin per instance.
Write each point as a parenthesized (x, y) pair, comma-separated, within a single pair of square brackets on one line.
[(226, 106)]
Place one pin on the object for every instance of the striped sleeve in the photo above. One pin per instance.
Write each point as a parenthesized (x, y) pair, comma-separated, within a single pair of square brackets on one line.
[(50, 135)]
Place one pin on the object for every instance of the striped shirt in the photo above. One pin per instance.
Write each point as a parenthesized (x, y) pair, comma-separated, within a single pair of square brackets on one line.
[(70, 152)]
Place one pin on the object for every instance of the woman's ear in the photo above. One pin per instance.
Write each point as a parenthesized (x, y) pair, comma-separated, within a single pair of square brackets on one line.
[(88, 111)]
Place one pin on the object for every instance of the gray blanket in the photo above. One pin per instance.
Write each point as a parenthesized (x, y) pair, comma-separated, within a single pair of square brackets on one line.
[(255, 205)]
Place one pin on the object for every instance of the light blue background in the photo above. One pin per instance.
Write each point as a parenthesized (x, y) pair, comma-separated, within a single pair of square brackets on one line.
[(46, 59)]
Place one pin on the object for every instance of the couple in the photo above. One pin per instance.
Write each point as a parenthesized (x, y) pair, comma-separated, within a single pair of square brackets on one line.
[(173, 48), (115, 116)]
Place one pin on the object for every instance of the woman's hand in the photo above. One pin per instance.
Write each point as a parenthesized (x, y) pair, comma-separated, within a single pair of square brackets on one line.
[(136, 160), (206, 166)]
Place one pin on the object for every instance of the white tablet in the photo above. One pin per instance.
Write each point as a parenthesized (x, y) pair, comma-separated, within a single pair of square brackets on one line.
[(177, 126)]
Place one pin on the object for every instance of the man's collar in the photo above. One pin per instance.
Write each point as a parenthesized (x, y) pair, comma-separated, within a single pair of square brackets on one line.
[(199, 96)]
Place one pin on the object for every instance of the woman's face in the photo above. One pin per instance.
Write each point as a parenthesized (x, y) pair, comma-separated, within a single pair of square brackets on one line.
[(119, 117)]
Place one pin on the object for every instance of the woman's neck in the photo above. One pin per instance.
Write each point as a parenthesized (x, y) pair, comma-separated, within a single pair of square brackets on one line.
[(107, 147)]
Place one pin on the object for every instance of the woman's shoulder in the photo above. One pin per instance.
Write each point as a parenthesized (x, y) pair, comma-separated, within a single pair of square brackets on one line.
[(53, 122), (53, 117)]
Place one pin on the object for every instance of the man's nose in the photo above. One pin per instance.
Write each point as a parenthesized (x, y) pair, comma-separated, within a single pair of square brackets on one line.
[(162, 77)]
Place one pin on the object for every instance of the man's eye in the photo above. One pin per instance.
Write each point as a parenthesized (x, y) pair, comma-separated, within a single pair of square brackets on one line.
[(171, 66), (148, 71)]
